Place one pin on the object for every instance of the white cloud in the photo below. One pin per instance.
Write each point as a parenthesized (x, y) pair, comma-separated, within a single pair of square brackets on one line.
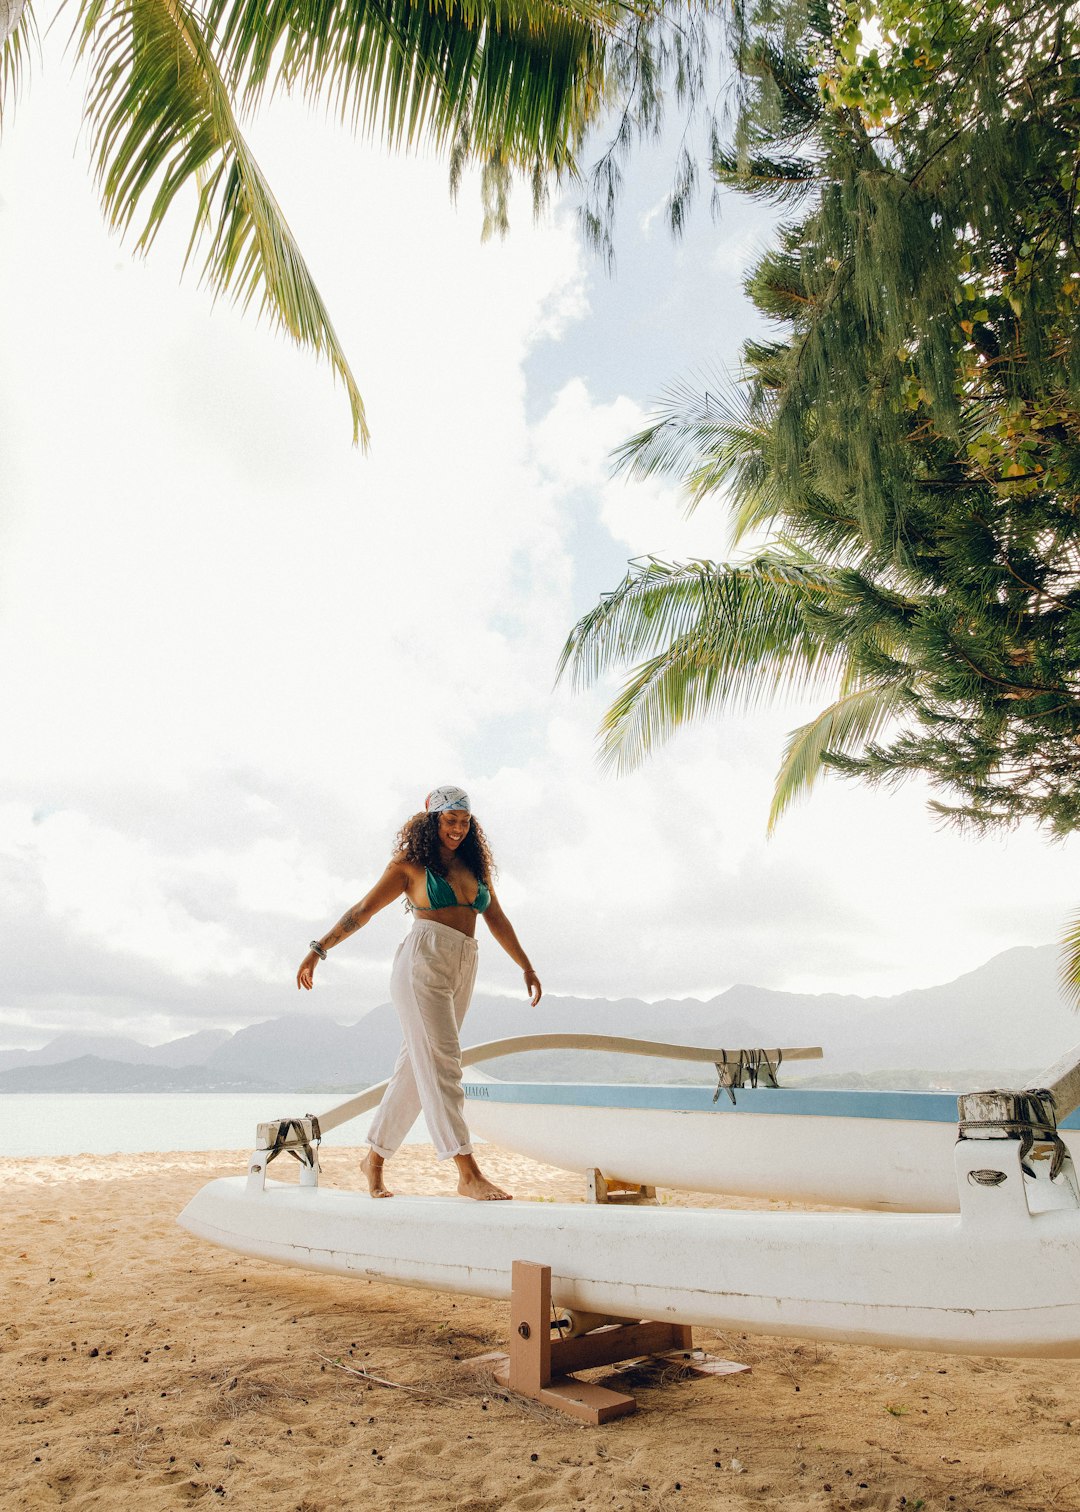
[(114, 888), (736, 252), (575, 444), (234, 654), (649, 217)]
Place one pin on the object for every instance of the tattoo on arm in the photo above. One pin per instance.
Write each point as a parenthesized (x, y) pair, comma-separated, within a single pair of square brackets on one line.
[(390, 886), (345, 926)]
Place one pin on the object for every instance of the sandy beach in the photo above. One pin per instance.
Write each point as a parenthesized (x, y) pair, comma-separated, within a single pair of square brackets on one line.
[(139, 1369)]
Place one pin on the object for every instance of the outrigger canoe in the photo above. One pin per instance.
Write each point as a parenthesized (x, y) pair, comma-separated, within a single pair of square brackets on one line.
[(886, 1151), (999, 1276)]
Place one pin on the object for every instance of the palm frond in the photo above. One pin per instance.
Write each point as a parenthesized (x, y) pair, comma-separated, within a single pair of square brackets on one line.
[(713, 636), (10, 15), (17, 27), (782, 181), (680, 684), (658, 601), (160, 121), (1069, 961), (851, 721), (521, 77), (495, 180), (713, 436)]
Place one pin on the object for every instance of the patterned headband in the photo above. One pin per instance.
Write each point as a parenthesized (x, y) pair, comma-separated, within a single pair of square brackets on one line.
[(444, 798)]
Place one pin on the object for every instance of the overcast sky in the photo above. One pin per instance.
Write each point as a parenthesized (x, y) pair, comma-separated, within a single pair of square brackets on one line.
[(236, 652)]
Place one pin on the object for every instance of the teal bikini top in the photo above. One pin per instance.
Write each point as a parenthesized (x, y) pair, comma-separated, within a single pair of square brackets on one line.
[(440, 894)]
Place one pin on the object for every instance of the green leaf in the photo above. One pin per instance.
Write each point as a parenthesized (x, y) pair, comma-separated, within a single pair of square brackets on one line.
[(846, 725), (710, 434), (516, 77), (162, 124), (17, 27), (1069, 961), (715, 636)]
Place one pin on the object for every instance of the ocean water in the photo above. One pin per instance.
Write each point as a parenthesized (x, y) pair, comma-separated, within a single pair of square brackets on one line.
[(133, 1123)]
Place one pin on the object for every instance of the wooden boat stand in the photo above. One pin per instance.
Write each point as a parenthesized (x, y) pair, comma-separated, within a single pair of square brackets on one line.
[(608, 1189), (540, 1367)]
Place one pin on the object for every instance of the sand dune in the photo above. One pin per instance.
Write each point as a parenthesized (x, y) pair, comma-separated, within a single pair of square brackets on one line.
[(138, 1369)]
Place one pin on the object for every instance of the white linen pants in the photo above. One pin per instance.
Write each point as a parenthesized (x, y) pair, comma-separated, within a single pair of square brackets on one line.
[(431, 986)]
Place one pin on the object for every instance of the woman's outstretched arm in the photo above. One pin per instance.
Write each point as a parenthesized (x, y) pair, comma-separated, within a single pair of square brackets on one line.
[(391, 885), (503, 931)]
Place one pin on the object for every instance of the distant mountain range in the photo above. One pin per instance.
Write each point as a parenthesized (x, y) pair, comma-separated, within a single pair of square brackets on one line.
[(1004, 1022)]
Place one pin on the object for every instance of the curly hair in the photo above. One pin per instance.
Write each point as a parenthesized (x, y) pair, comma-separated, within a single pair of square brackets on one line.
[(418, 842)]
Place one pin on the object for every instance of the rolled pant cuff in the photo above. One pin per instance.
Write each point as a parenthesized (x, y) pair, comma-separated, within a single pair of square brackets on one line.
[(380, 1149), (465, 1149)]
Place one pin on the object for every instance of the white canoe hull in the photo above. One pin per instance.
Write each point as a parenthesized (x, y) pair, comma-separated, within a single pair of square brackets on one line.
[(889, 1164), (995, 1279)]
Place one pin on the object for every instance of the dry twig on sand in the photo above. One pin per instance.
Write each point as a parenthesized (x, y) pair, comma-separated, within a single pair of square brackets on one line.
[(366, 1375)]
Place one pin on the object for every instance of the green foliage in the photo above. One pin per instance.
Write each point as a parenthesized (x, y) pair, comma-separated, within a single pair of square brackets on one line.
[(511, 84), (663, 52), (913, 430), (15, 35), (160, 118), (1069, 969), (713, 636), (508, 76), (851, 722)]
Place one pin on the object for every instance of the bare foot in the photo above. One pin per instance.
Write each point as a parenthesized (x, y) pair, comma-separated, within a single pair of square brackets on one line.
[(372, 1167), (482, 1189), (473, 1183)]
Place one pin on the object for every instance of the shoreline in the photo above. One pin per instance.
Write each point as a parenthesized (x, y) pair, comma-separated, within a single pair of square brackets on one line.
[(143, 1369)]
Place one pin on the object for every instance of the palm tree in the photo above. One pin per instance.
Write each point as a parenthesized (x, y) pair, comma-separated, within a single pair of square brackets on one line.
[(924, 660), (908, 442), (706, 637), (508, 83), (702, 638)]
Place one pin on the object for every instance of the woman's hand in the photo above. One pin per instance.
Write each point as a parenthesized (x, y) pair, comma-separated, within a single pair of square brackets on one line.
[(533, 987), (304, 977)]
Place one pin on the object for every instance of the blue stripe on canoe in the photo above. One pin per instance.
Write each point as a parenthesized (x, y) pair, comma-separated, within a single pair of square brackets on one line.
[(922, 1107)]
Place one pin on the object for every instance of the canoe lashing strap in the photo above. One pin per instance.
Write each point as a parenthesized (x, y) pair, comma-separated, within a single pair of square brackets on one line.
[(745, 1068), (292, 1136), (1028, 1116)]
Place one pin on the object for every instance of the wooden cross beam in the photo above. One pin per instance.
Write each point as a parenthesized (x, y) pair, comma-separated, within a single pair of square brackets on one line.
[(540, 1367)]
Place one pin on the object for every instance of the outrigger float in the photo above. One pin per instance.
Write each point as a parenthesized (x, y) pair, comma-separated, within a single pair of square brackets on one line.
[(977, 1251)]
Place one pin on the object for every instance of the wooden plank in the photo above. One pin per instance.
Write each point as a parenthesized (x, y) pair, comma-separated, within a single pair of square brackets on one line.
[(613, 1189), (595, 1185), (530, 1327), (581, 1399), (1063, 1081), (622, 1341), (535, 1357)]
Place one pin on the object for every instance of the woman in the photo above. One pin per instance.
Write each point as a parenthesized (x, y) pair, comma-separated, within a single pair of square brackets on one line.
[(443, 867)]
